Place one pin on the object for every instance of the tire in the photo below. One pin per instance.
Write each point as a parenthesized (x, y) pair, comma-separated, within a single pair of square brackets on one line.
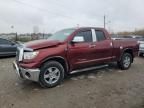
[(51, 75), (125, 61)]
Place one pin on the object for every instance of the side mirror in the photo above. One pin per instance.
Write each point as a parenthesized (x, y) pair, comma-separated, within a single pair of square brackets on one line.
[(78, 39)]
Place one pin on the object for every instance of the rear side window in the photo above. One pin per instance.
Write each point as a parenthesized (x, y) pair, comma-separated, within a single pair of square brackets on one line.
[(100, 36), (87, 35), (3, 41)]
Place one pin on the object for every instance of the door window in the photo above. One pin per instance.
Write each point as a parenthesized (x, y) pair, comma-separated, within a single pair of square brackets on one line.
[(3, 41), (86, 35), (100, 35)]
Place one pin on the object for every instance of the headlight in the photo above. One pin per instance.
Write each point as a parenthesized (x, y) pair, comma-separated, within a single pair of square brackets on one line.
[(30, 55)]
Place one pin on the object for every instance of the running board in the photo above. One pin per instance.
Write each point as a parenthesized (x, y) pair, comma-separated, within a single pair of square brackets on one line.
[(87, 69)]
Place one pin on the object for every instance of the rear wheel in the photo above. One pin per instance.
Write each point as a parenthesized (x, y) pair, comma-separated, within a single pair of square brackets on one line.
[(52, 74), (125, 61)]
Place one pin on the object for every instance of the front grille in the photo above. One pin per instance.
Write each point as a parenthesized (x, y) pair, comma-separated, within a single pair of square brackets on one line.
[(20, 52)]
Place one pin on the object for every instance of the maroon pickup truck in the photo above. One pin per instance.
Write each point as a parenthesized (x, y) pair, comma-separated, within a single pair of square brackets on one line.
[(69, 51)]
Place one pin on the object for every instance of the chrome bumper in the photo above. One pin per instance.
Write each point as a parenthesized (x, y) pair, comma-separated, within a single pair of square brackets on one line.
[(29, 74)]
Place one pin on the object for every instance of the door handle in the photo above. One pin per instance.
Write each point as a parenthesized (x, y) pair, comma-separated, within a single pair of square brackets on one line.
[(92, 46)]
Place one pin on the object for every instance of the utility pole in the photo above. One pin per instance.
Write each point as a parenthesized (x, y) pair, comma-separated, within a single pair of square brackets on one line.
[(104, 21), (16, 36), (78, 25), (16, 39)]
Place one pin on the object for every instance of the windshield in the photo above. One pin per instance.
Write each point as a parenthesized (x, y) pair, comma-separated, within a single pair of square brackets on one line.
[(61, 35)]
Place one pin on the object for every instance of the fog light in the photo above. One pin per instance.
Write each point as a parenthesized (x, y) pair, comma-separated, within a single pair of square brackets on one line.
[(27, 75)]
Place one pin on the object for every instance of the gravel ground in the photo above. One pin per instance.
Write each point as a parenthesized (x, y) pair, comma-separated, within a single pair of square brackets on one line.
[(104, 88)]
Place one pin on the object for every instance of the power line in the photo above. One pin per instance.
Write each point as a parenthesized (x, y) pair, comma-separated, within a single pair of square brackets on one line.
[(60, 4), (46, 10), (77, 8), (53, 13), (41, 9)]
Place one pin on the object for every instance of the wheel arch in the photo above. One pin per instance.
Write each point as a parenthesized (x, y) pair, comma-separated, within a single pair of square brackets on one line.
[(59, 59), (127, 50)]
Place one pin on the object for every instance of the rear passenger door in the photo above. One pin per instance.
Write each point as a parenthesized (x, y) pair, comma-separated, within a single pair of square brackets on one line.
[(103, 47)]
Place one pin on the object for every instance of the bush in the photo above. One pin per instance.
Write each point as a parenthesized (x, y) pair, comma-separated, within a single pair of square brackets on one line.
[(22, 39), (136, 32)]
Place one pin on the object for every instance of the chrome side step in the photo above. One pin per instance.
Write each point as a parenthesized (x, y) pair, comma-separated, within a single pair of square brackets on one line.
[(87, 69)]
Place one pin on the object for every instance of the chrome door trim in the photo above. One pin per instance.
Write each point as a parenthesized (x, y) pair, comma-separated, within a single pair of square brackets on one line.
[(94, 35)]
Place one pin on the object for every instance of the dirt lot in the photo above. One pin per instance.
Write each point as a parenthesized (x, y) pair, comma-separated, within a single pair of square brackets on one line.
[(105, 88)]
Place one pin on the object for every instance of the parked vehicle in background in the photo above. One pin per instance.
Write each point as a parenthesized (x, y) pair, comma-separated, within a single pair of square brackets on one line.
[(121, 37), (70, 51), (137, 37), (7, 48), (114, 36), (141, 48), (140, 40)]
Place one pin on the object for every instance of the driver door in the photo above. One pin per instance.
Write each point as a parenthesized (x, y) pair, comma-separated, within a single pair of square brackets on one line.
[(80, 53)]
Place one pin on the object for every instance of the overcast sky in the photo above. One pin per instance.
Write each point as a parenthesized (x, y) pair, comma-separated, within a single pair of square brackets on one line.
[(52, 15)]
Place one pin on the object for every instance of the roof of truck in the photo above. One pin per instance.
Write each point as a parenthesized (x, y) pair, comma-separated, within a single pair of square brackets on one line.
[(89, 28), (76, 28)]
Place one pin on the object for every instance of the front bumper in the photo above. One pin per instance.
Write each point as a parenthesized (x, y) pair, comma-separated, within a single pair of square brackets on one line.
[(29, 74)]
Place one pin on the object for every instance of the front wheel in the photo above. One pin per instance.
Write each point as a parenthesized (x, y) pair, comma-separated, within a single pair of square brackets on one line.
[(125, 61), (52, 74)]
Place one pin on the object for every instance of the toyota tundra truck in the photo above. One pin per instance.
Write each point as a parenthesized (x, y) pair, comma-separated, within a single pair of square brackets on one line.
[(70, 51)]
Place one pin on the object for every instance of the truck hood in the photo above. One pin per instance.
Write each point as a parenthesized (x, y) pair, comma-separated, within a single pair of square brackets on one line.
[(39, 44)]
